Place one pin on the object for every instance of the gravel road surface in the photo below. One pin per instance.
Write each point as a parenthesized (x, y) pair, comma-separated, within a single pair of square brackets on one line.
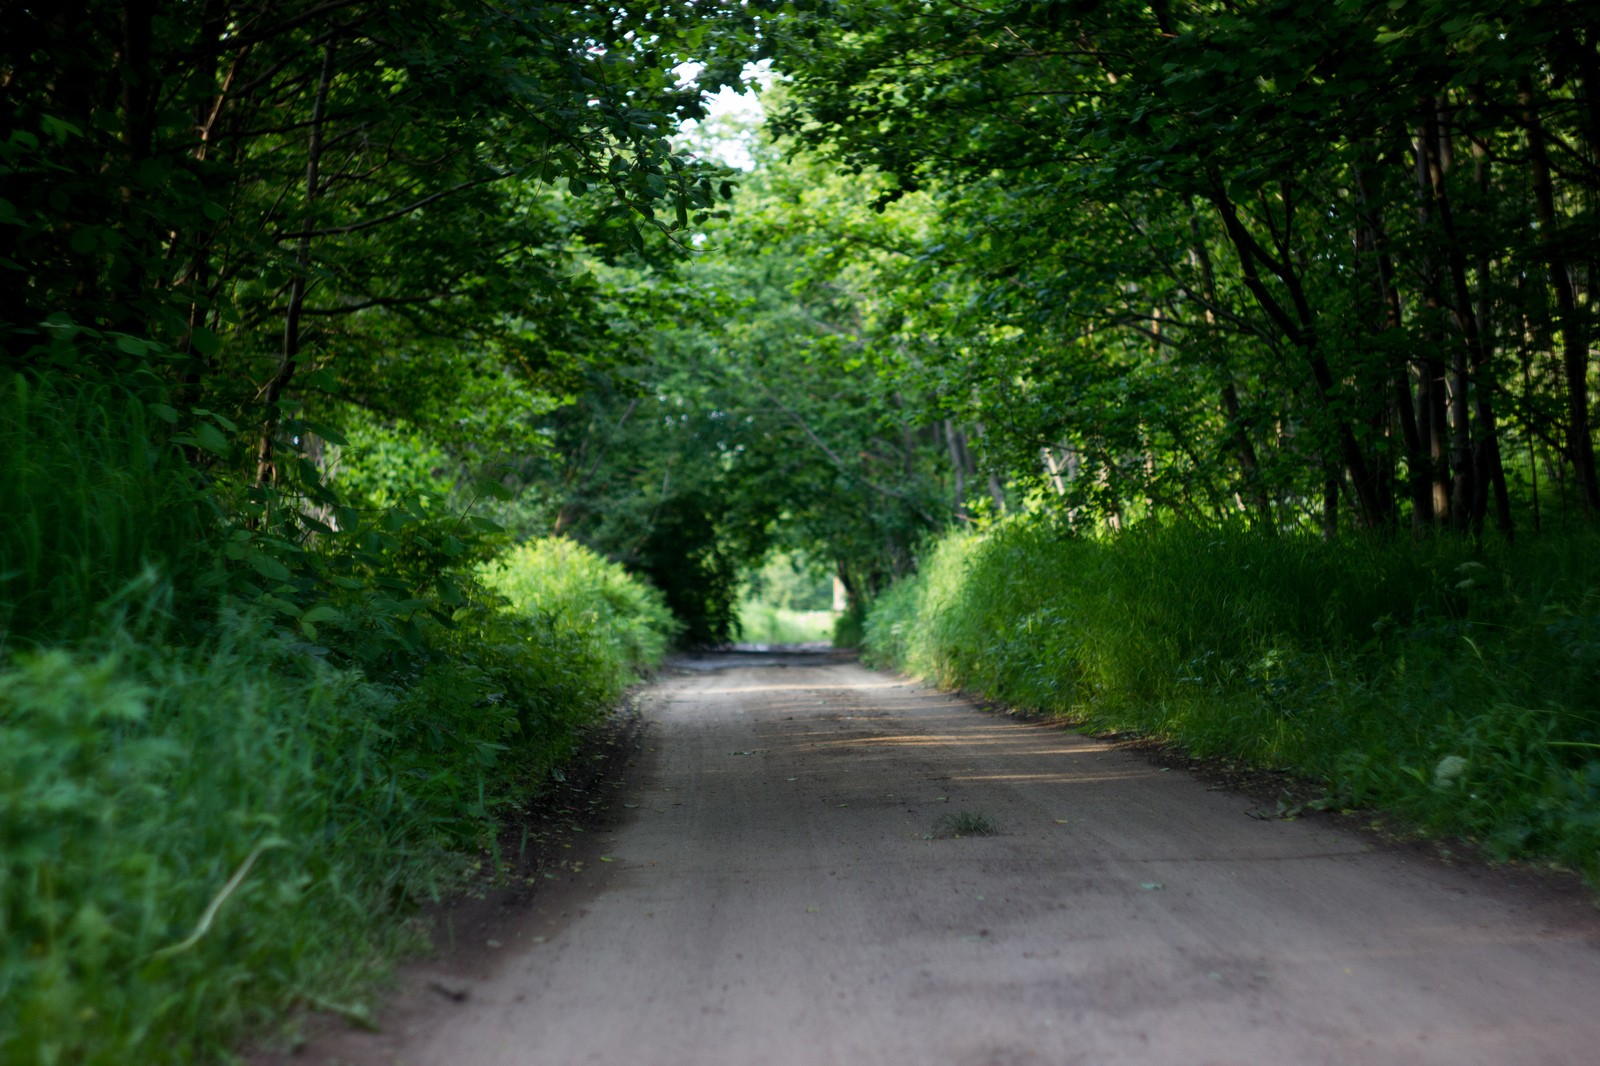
[(773, 896)]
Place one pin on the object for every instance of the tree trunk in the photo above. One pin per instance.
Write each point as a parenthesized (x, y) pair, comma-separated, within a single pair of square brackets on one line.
[(1249, 465), (1330, 505), (997, 492), (266, 463), (1053, 468), (1574, 349), (140, 85), (958, 463), (1432, 417), (1418, 461), (1432, 151), (1488, 462)]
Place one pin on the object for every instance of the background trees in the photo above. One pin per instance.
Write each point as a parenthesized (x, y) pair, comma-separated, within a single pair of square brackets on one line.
[(1303, 262), (264, 222), (1307, 265)]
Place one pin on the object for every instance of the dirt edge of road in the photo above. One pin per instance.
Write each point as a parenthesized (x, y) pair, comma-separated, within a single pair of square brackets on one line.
[(1274, 793)]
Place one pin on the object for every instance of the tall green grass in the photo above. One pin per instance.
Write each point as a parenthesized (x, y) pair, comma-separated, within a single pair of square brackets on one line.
[(574, 586), (1458, 685), (89, 503)]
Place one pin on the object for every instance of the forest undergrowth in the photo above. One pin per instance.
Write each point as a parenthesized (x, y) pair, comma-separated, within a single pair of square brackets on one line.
[(1455, 684), (212, 815)]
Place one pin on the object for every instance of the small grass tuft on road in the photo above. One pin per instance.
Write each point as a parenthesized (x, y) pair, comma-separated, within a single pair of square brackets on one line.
[(965, 824)]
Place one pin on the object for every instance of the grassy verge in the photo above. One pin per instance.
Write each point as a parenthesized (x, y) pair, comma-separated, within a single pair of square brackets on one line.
[(1459, 686), (197, 840), (216, 809)]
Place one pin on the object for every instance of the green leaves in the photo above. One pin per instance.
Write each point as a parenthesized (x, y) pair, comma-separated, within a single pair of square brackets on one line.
[(269, 567), (207, 436), (493, 487)]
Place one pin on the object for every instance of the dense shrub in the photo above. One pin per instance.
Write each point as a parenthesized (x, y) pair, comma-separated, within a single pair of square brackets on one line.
[(576, 588), (1460, 685)]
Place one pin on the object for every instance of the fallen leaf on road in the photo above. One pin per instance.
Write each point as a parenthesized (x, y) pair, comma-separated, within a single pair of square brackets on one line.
[(607, 858), (1148, 885), (494, 943), (813, 910), (630, 806), (841, 804)]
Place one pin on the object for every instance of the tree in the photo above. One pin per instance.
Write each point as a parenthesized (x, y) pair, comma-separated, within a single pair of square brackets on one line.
[(1271, 198)]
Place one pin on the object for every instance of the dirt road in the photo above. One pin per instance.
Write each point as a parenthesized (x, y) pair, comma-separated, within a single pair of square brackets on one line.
[(772, 897)]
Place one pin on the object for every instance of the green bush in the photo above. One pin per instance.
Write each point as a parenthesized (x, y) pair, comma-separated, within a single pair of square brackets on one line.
[(1370, 664), (578, 590)]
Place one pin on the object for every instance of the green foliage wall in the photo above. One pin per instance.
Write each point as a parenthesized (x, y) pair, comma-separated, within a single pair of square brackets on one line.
[(572, 587)]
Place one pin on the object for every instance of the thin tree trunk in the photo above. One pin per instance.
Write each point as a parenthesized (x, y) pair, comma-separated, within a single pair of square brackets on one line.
[(1330, 505), (1533, 444), (1432, 415), (1432, 149), (1249, 464), (958, 463), (1053, 467), (140, 83), (1574, 349), (997, 492), (1418, 462), (266, 464), (1488, 462)]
